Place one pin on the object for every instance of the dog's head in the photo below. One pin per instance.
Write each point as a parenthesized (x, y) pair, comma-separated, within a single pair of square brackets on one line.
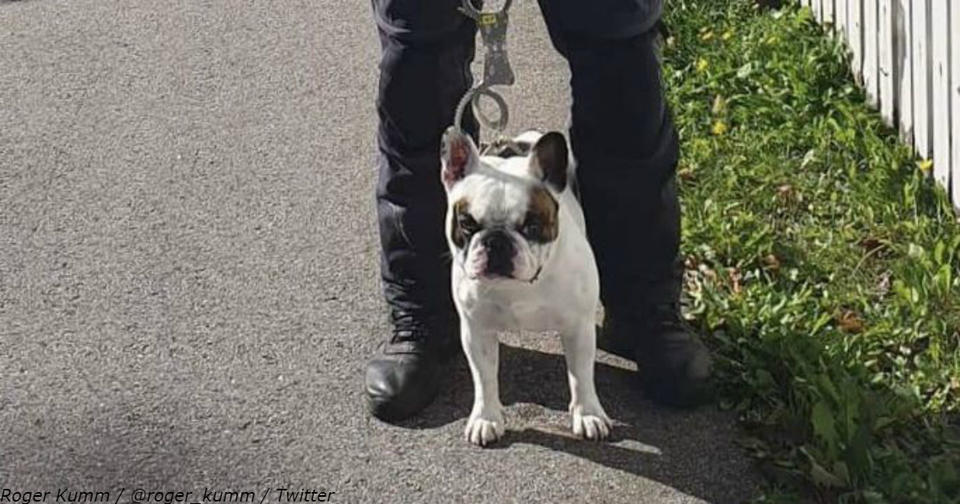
[(503, 221)]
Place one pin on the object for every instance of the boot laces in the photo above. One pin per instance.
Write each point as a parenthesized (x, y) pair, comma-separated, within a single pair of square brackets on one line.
[(408, 328)]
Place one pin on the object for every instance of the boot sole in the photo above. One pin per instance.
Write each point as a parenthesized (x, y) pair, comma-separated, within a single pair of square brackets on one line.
[(391, 412)]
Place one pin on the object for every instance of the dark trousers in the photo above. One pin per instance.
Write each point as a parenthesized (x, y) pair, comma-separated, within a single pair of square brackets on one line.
[(621, 135)]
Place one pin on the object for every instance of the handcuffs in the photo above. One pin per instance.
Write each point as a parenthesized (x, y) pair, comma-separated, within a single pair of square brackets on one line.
[(496, 70)]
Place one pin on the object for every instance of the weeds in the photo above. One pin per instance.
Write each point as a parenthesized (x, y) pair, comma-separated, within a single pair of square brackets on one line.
[(821, 261)]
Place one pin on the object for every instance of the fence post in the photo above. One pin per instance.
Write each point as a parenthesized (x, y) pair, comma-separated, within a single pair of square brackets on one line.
[(855, 37), (940, 49), (921, 78), (870, 52), (903, 30), (888, 71), (955, 99), (840, 14)]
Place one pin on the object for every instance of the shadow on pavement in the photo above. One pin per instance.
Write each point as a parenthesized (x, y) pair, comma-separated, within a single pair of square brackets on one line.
[(690, 450)]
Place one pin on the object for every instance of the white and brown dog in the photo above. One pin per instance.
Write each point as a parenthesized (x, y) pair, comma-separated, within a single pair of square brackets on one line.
[(521, 261)]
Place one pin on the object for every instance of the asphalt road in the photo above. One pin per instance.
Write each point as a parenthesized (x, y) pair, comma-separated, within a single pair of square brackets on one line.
[(188, 274)]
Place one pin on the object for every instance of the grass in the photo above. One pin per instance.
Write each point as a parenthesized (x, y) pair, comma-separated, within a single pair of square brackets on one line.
[(823, 263)]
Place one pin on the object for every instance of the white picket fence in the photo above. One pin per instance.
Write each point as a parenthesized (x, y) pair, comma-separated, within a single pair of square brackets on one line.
[(906, 54)]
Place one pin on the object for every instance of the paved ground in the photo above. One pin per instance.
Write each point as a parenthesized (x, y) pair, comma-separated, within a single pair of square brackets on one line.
[(188, 281)]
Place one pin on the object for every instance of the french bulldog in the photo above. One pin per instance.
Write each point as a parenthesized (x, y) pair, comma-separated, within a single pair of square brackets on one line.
[(520, 261)]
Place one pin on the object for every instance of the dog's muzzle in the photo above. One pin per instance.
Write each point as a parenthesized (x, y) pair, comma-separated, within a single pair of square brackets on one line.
[(500, 251)]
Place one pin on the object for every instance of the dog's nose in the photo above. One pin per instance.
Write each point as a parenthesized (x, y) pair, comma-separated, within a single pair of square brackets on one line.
[(499, 253), (495, 241)]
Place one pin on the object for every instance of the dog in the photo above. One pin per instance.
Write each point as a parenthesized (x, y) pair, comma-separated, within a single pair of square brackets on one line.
[(520, 261)]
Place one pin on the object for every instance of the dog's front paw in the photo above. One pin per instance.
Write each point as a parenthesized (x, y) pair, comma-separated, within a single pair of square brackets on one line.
[(483, 429), (590, 423)]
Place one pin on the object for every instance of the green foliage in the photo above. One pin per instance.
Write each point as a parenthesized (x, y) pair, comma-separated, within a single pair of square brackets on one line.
[(822, 261)]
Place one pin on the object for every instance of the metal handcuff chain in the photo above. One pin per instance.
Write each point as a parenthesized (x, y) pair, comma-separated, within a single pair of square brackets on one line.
[(496, 70)]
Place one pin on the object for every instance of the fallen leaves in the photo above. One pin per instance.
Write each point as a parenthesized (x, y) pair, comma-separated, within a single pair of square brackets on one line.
[(735, 278), (771, 262), (870, 243), (850, 322)]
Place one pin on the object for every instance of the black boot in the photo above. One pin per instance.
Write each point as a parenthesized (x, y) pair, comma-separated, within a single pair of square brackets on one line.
[(403, 379), (673, 365)]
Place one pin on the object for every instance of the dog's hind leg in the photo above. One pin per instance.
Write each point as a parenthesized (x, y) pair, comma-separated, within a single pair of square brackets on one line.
[(483, 353), (580, 348)]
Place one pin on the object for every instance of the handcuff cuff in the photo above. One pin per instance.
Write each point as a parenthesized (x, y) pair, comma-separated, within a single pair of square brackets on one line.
[(496, 72)]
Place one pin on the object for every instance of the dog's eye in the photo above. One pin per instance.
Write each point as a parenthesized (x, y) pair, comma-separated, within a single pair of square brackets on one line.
[(468, 224), (531, 229)]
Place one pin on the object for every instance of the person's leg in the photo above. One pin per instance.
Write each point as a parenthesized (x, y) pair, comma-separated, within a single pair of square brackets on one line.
[(426, 50), (626, 148)]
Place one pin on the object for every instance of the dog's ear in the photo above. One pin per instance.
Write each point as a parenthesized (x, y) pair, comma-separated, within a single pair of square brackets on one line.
[(549, 160), (458, 155)]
